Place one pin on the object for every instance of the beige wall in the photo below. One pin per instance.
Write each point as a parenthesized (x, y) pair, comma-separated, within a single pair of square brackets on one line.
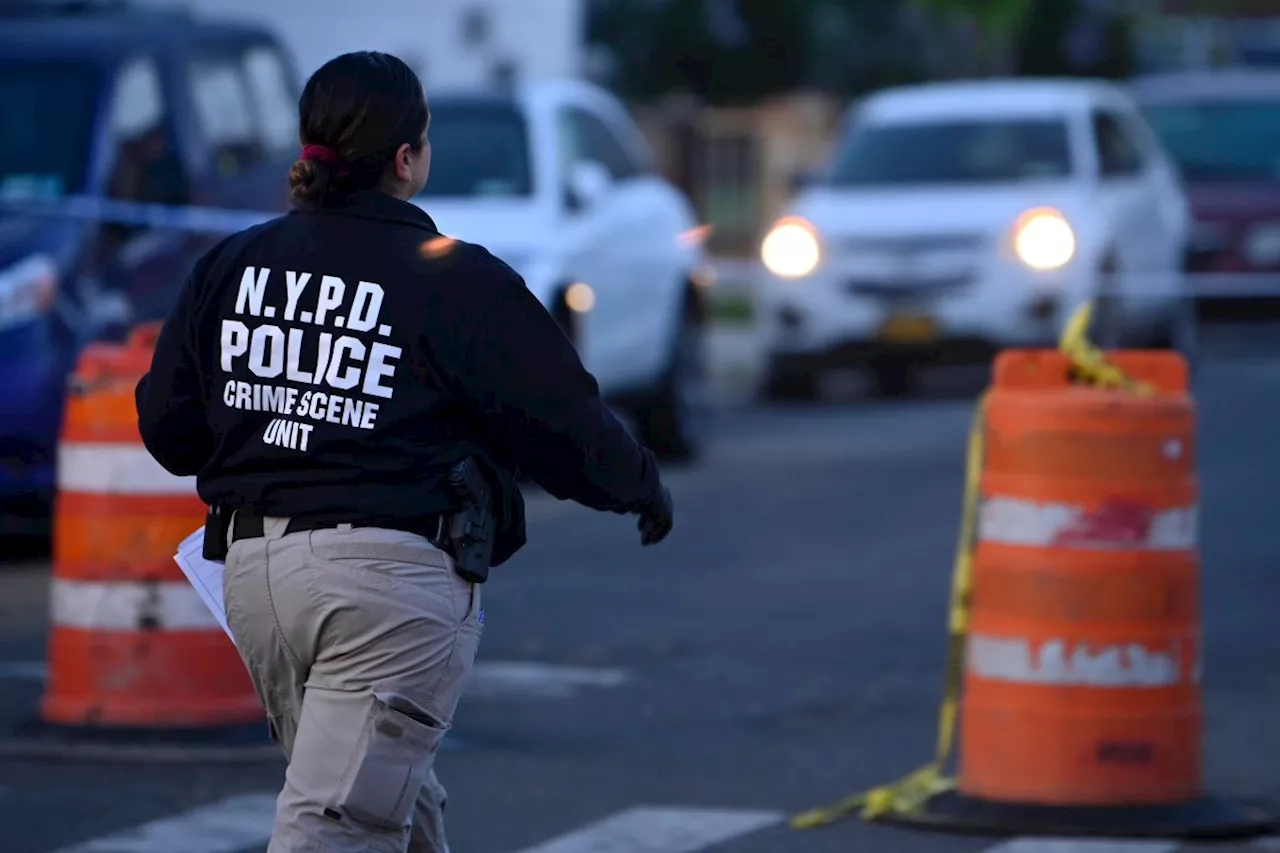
[(737, 164)]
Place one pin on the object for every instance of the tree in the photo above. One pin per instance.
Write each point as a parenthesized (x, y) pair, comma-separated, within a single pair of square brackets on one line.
[(999, 25), (724, 51), (730, 51), (860, 45), (1043, 49), (739, 51)]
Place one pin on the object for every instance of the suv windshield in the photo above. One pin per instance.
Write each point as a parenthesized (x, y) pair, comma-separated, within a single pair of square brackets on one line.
[(478, 149), (952, 152), (46, 126), (1223, 140)]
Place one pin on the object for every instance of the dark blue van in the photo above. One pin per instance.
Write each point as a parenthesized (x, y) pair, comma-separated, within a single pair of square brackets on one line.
[(117, 126)]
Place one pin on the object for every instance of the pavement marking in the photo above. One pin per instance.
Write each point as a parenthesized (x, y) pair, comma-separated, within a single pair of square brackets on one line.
[(523, 679), (649, 829), (234, 824), (1083, 845), (489, 679), (23, 670)]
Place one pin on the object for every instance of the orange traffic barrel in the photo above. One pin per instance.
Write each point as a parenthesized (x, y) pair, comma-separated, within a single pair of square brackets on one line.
[(1082, 684), (1080, 707), (131, 644)]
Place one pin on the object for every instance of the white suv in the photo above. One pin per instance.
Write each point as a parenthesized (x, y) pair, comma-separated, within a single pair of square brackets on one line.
[(958, 218), (556, 179)]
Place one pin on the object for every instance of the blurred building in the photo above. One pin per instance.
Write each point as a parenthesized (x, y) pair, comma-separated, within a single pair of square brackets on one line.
[(739, 164), (451, 43), (1206, 33)]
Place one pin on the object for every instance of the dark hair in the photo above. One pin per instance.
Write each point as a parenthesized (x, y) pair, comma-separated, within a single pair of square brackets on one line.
[(363, 106)]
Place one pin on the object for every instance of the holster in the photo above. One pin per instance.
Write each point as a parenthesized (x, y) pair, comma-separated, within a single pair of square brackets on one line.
[(217, 533), (471, 554)]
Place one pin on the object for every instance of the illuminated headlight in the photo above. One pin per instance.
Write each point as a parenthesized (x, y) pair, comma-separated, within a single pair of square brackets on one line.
[(1043, 239), (790, 249), (580, 297), (1262, 245), (27, 289)]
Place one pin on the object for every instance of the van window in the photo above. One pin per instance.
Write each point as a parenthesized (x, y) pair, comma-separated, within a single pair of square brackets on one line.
[(46, 126), (584, 136), (137, 106), (146, 164), (223, 106), (275, 103), (1119, 154)]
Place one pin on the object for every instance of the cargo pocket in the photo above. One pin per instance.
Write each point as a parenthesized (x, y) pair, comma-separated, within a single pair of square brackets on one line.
[(390, 765)]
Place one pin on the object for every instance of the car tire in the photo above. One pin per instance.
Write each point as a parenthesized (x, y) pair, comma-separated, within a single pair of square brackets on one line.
[(674, 421), (894, 377), (790, 384)]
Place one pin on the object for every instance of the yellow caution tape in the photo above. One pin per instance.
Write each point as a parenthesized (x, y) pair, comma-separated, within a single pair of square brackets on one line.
[(1088, 362), (908, 795)]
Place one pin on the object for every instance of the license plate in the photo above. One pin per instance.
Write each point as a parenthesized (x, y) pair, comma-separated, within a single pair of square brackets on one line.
[(909, 329)]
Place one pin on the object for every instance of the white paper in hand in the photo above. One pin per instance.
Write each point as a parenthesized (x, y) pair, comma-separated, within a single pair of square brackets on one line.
[(205, 576)]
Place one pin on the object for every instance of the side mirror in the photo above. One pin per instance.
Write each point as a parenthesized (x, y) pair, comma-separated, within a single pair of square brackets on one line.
[(589, 181)]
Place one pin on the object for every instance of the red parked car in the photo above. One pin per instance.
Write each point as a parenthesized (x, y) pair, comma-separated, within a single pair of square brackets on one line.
[(1222, 128)]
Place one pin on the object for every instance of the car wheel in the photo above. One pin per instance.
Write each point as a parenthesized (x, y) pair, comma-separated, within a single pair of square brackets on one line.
[(675, 421), (789, 384), (894, 376)]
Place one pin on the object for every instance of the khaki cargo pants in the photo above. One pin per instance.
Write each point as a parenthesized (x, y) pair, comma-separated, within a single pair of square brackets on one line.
[(358, 642)]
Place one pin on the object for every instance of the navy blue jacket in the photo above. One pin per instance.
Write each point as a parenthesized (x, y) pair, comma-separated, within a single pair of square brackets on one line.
[(333, 364)]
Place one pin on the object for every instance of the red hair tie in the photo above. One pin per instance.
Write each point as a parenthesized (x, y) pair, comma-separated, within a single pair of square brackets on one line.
[(328, 156)]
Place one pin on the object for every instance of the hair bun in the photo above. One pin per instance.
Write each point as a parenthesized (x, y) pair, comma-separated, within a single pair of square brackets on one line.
[(309, 181)]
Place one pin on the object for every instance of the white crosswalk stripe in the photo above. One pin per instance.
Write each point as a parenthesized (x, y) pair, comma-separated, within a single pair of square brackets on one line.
[(489, 680), (242, 824), (647, 829), (1113, 845), (1083, 845), (23, 670), (229, 826), (531, 679)]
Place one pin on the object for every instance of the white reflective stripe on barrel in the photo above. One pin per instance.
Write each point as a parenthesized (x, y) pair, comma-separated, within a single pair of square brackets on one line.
[(116, 469), (1120, 525), (129, 606)]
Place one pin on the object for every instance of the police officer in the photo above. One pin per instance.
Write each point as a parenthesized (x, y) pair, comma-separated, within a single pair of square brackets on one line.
[(321, 375)]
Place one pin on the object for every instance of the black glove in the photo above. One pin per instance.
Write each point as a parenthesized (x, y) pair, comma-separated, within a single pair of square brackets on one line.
[(656, 517)]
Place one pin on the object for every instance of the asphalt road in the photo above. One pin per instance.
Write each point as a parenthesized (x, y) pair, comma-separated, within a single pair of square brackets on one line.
[(782, 649)]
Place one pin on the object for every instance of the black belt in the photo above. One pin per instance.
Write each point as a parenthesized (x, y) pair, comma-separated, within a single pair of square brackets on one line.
[(249, 525)]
